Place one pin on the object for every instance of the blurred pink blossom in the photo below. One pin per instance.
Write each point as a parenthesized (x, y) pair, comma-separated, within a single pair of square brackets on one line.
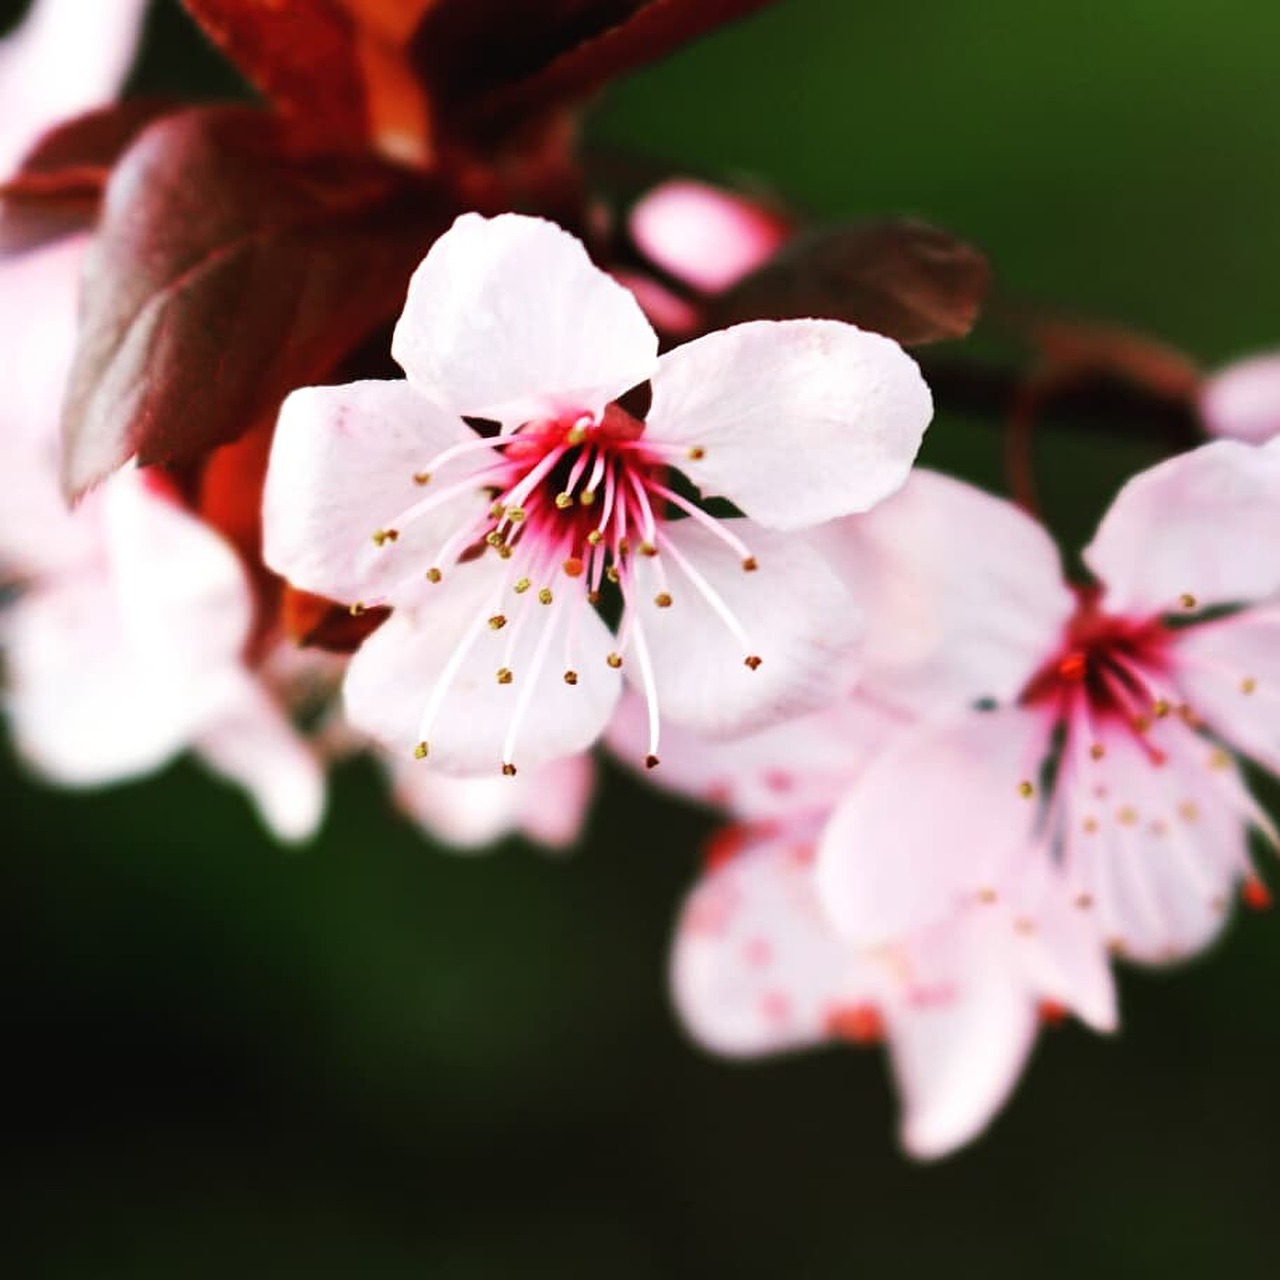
[(1115, 754), (1242, 400), (758, 967)]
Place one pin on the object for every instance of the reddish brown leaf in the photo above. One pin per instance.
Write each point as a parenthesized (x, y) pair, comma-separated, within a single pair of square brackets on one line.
[(316, 623), (578, 49), (336, 67), (229, 267), (59, 183), (301, 56), (910, 281)]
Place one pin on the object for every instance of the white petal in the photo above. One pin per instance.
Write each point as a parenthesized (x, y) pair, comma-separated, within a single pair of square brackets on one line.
[(342, 468), (508, 318), (547, 804), (963, 594), (447, 643), (66, 58), (795, 421), (792, 613), (1204, 525), (938, 819)]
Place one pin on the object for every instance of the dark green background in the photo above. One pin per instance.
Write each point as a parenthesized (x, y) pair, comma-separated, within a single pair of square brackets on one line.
[(373, 1058)]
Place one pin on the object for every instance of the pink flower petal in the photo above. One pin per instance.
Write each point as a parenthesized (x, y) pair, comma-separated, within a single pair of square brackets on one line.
[(1229, 671), (348, 463), (790, 613), (756, 968), (794, 421), (432, 675), (66, 58), (1242, 401), (254, 746), (939, 819), (801, 766), (702, 235), (1153, 851), (508, 318), (955, 1061), (950, 625), (1201, 529)]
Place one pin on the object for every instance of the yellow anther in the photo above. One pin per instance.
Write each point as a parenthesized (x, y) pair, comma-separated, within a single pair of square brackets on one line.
[(1161, 708), (1187, 600), (504, 552), (575, 435), (696, 453), (544, 595), (493, 538), (497, 511), (612, 573), (1188, 811), (595, 537), (1026, 790), (522, 585), (382, 536), (1097, 751), (1248, 684), (515, 514), (662, 600), (647, 549), (498, 621), (614, 660), (421, 751), (1127, 815), (564, 501), (1219, 760), (587, 497), (356, 609), (434, 575), (504, 675)]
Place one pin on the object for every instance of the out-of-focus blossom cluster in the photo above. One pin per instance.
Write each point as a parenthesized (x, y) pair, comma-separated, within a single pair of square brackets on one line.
[(956, 785)]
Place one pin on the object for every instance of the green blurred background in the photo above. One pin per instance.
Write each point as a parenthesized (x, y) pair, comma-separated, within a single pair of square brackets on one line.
[(373, 1058)]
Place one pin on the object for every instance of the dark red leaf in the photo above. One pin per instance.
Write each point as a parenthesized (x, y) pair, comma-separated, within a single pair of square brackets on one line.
[(316, 623), (906, 279), (562, 53), (338, 68), (230, 266), (301, 56), (59, 183)]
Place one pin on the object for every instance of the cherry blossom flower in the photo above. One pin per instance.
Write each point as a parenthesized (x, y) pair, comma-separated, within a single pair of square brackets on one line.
[(1242, 401), (495, 543), (759, 968), (1116, 753)]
